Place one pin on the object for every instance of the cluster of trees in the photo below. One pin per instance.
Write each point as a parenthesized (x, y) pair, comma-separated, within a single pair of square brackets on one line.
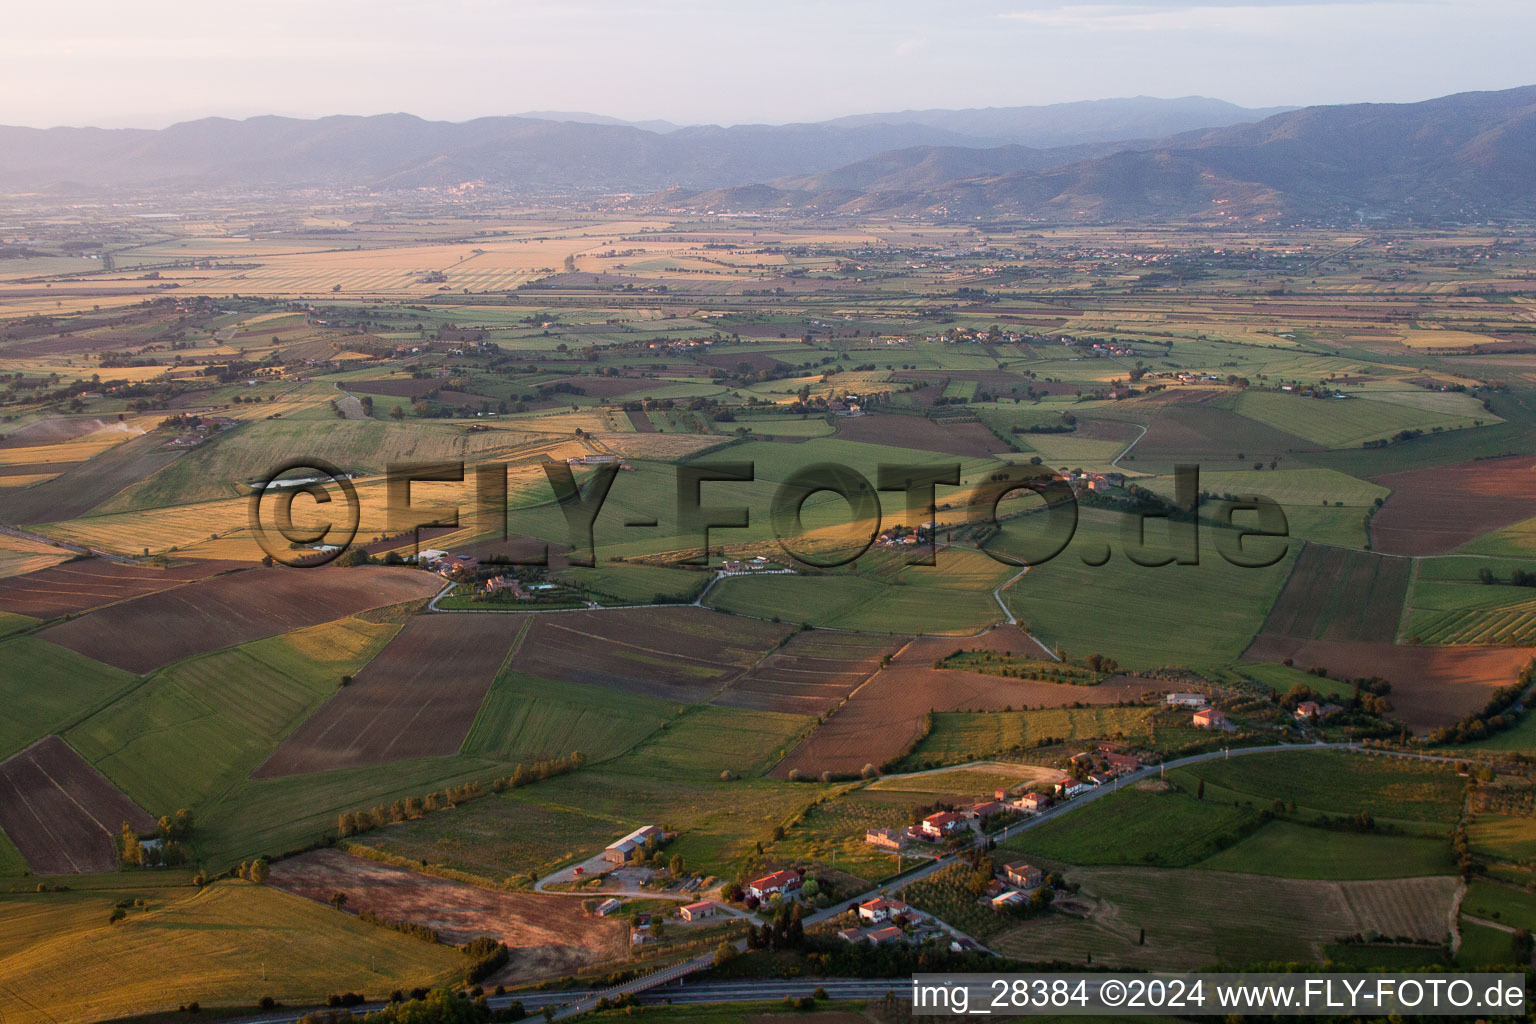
[(1100, 665), (489, 957), (1397, 438), (257, 871), (186, 421), (1517, 578), (419, 1006), (1500, 713), (163, 848), (785, 931), (355, 822), (411, 928)]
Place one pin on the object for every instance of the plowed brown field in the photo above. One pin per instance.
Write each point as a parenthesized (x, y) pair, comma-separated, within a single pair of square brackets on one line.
[(417, 698), (90, 583), (681, 653), (1434, 511), (885, 717), (61, 813), (149, 632), (810, 674)]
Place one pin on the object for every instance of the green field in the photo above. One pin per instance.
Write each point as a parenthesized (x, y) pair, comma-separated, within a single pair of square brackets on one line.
[(10, 623), (194, 729), (1471, 613), (213, 469), (1502, 903), (12, 863), (573, 816), (1281, 678), (1482, 946), (46, 688), (1196, 918), (636, 584), (1289, 850), (224, 946), (256, 817), (1298, 487), (476, 838), (709, 740), (1332, 783), (1173, 615), (525, 718), (1503, 836), (1167, 829), (915, 604), (1347, 423), (779, 426), (963, 736)]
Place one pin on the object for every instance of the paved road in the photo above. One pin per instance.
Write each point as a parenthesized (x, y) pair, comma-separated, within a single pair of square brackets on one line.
[(666, 983), (697, 964), (754, 990)]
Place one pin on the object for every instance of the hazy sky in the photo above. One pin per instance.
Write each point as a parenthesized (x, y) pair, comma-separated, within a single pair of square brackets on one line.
[(152, 62)]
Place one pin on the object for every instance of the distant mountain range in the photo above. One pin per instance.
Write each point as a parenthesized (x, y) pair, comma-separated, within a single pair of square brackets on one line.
[(1465, 156), (543, 150)]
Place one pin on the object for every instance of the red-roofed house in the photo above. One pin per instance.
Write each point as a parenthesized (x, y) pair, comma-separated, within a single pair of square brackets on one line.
[(945, 823), (780, 883), (881, 936), (880, 909)]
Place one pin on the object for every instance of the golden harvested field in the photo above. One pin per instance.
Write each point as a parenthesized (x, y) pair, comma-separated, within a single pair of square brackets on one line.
[(226, 945), (25, 480), (221, 529), (19, 555), (77, 450)]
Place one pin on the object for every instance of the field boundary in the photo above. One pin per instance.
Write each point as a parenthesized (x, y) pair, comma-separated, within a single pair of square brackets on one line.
[(517, 643)]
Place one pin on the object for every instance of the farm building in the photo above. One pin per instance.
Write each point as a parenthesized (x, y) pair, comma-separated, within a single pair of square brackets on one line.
[(986, 809), (886, 838), (1023, 875), (606, 907), (622, 851), (880, 909), (1186, 700), (945, 823), (780, 883), (1120, 764), (697, 911), (1210, 718), (851, 934), (881, 936), (1011, 898), (1307, 710)]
